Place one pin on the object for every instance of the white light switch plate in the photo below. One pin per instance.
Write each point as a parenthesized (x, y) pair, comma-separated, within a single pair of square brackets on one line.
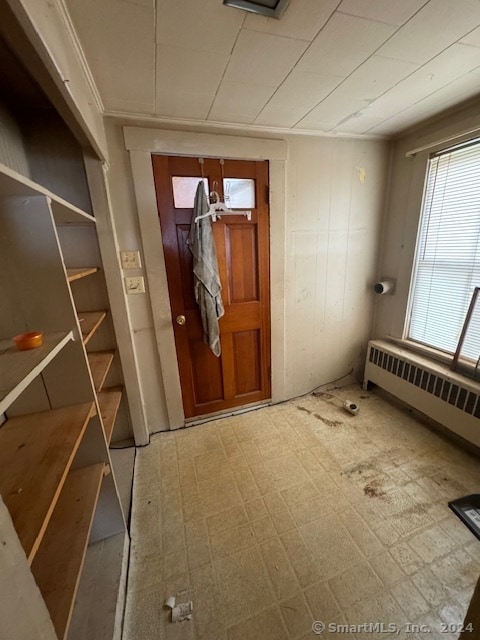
[(130, 259), (135, 284)]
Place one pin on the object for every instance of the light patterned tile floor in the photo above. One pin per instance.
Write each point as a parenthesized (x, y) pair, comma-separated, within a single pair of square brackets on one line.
[(299, 512)]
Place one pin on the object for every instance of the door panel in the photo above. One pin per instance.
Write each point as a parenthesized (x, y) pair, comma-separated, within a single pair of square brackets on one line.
[(207, 374), (246, 350), (241, 246), (242, 374)]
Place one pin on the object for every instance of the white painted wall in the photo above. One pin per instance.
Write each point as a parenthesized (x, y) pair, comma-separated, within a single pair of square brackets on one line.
[(335, 198), (403, 209), (125, 221), (334, 206)]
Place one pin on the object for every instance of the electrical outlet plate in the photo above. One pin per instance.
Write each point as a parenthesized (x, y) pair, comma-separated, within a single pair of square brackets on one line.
[(135, 284), (130, 259)]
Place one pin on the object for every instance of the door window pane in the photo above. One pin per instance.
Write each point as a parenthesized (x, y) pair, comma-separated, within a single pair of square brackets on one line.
[(239, 193), (184, 190)]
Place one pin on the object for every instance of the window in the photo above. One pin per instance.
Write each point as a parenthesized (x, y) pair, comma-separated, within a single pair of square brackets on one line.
[(239, 193), (184, 190), (447, 262)]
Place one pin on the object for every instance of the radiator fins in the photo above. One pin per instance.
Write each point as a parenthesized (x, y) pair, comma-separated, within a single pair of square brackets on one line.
[(432, 383)]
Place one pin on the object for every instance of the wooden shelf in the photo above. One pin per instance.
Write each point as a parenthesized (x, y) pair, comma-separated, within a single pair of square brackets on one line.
[(100, 363), (19, 368), (99, 602), (58, 563), (77, 274), (13, 184), (36, 451), (89, 323), (109, 402)]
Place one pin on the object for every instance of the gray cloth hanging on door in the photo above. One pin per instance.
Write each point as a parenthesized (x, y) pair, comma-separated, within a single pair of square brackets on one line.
[(205, 271)]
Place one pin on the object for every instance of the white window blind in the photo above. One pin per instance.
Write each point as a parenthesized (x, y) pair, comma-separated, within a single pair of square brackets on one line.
[(447, 265)]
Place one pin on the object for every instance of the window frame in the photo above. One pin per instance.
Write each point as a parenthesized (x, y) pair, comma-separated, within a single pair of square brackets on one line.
[(433, 351)]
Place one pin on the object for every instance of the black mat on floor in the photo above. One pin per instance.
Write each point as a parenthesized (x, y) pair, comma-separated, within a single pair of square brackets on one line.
[(468, 510)]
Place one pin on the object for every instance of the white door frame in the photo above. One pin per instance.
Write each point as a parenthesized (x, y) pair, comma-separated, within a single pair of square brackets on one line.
[(141, 143)]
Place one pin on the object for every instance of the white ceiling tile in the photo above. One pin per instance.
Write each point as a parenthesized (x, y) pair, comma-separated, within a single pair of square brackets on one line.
[(446, 97), (181, 69), (305, 89), (302, 19), (278, 115), (384, 129), (122, 90), (232, 118), (263, 59), (208, 66), (117, 39), (332, 111), (343, 44), (182, 104), (120, 105), (375, 76), (389, 11), (472, 38), (143, 3), (403, 120), (234, 100), (370, 80), (113, 29), (452, 63), (360, 124), (205, 26), (432, 29)]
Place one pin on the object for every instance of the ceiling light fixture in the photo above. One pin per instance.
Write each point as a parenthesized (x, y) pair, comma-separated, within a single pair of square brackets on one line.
[(269, 8)]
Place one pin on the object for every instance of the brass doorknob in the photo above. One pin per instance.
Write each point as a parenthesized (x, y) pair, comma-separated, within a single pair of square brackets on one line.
[(180, 319)]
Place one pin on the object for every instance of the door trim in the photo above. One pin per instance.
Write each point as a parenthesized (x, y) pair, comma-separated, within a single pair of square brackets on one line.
[(141, 143)]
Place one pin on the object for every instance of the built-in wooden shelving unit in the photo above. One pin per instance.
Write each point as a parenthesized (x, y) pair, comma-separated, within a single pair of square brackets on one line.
[(59, 560), (89, 323), (13, 184), (36, 451), (62, 526), (109, 403), (67, 536), (19, 368), (77, 274), (100, 363)]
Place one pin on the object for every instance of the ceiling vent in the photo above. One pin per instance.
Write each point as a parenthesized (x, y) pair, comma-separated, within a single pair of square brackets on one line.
[(269, 8)]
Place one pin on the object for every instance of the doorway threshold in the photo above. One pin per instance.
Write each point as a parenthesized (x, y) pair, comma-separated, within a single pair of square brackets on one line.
[(218, 415)]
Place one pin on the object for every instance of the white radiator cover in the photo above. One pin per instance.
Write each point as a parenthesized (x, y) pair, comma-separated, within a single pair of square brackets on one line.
[(443, 395)]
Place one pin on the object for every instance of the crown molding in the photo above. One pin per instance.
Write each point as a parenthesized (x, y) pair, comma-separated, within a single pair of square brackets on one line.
[(237, 128)]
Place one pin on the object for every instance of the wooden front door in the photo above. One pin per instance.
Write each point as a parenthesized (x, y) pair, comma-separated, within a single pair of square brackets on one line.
[(241, 375)]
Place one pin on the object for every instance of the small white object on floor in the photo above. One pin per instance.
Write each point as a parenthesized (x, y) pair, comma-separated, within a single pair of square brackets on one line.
[(182, 611), (351, 407), (170, 602)]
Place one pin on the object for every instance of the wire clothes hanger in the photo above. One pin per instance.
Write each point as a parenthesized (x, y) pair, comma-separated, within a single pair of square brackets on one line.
[(218, 208)]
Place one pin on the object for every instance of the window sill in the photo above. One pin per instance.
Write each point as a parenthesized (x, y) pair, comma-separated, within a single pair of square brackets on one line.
[(434, 355), (423, 350)]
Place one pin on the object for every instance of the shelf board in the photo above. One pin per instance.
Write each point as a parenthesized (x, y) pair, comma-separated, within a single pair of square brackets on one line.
[(77, 274), (36, 451), (109, 402), (19, 368), (89, 323), (100, 363), (13, 184), (99, 605), (58, 563)]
